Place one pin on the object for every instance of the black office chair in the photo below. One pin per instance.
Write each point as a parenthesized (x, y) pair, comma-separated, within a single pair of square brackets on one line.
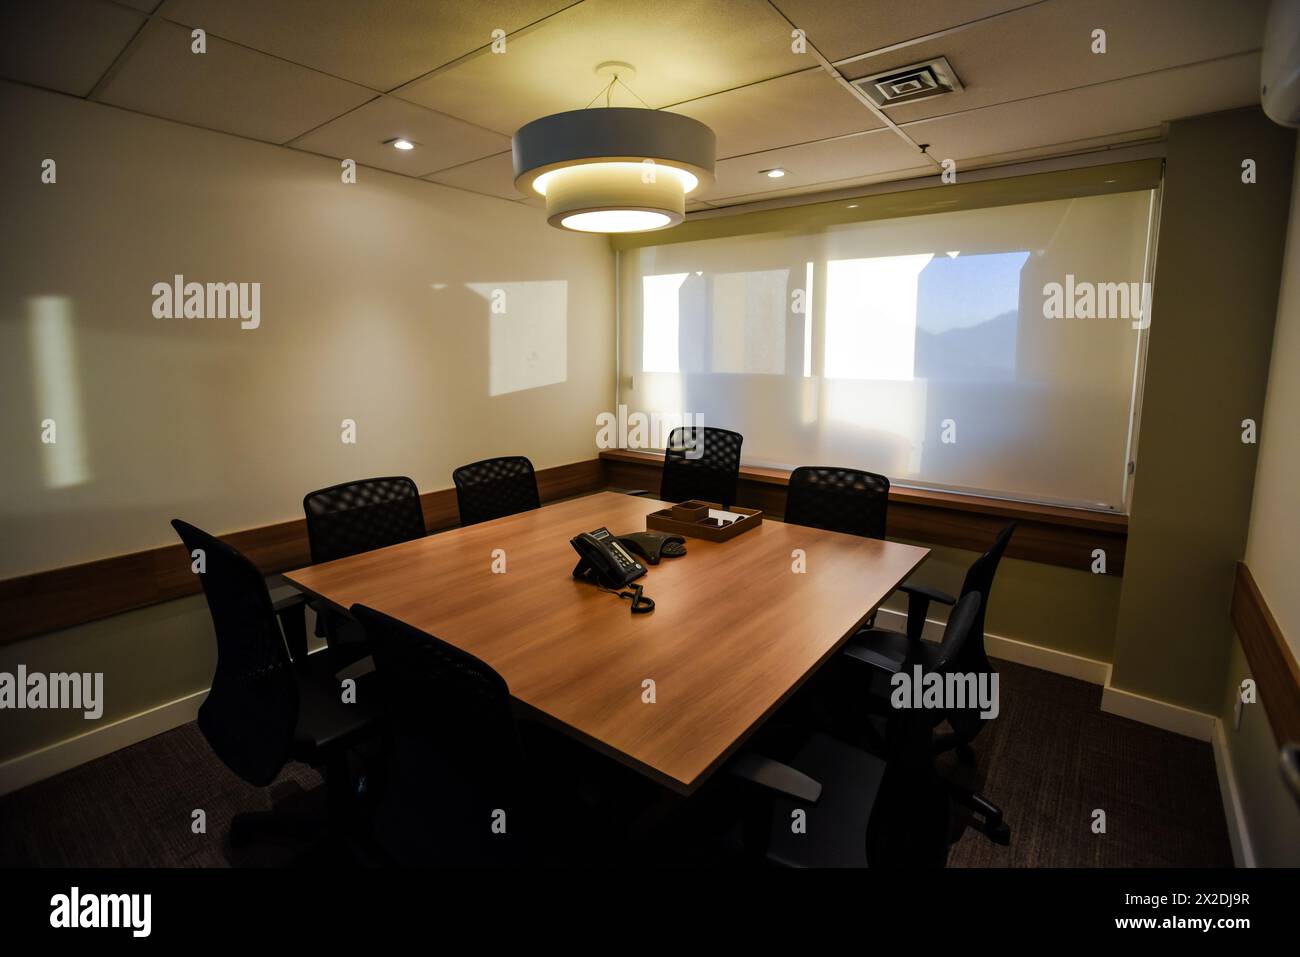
[(265, 709), (494, 488), (886, 650), (838, 500), (701, 463), (355, 517), (456, 772), (864, 809)]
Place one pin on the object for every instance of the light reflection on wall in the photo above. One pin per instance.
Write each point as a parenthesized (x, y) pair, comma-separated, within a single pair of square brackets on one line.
[(528, 333), (52, 339)]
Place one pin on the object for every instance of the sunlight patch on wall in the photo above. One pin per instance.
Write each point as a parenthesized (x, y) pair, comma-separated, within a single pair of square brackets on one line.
[(52, 337), (528, 333)]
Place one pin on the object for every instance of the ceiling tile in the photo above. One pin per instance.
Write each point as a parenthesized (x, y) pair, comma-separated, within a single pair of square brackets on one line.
[(494, 176), (380, 46), (229, 88), (440, 141), (1129, 105), (826, 164), (682, 49), (1048, 48), (790, 109), (63, 45), (843, 28)]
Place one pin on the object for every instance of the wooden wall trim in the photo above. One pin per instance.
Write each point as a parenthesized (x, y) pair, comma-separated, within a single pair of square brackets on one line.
[(1272, 663), (1050, 534), (63, 597)]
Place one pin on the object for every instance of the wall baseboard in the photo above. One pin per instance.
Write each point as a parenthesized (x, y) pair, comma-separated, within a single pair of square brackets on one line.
[(1243, 853), (1126, 704), (1158, 714), (1010, 649), (25, 769)]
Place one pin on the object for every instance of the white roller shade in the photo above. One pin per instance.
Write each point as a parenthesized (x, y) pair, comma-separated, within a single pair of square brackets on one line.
[(917, 347)]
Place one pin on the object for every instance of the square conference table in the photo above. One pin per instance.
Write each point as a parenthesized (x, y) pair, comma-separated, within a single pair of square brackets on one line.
[(734, 633)]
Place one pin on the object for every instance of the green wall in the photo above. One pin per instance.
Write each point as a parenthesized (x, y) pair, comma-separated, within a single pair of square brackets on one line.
[(1063, 609), (1268, 810), (1212, 316)]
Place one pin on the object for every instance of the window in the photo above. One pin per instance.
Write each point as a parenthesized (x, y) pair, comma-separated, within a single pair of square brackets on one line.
[(991, 350)]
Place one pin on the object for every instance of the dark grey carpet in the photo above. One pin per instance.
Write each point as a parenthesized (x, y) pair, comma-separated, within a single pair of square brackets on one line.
[(1052, 757), (1049, 760)]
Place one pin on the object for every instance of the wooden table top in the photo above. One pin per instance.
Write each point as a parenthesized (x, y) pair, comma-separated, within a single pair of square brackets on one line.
[(734, 632)]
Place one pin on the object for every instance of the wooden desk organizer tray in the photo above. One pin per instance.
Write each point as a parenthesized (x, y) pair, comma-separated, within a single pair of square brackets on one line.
[(691, 519)]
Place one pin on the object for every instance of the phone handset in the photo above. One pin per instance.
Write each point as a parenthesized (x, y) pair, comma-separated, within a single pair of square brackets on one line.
[(602, 558)]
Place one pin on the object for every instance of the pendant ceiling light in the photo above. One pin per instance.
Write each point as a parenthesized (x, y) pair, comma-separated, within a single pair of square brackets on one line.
[(613, 169)]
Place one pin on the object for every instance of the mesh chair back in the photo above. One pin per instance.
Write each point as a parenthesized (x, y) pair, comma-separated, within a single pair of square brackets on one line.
[(979, 578), (250, 714), (838, 500), (701, 463), (456, 753), (495, 488), (360, 516), (974, 658), (957, 633)]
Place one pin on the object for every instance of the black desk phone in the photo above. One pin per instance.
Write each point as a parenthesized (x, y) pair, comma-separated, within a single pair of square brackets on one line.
[(603, 556), (603, 559)]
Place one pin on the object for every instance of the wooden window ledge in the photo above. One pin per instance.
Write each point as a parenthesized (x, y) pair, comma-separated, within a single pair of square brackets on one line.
[(1052, 534)]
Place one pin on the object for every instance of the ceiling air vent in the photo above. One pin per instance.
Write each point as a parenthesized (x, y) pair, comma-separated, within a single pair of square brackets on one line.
[(910, 84)]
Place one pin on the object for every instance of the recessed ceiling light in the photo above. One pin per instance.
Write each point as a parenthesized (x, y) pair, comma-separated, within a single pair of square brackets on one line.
[(773, 173), (400, 144)]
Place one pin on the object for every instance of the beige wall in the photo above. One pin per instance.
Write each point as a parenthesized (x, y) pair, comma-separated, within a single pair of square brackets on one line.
[(1273, 556), (148, 657), (1214, 304), (374, 306)]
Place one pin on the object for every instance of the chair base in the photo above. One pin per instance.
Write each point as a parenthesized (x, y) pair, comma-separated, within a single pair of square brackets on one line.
[(315, 827), (981, 815)]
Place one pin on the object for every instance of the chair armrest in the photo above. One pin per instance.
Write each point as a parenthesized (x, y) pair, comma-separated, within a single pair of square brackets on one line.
[(286, 597), (290, 606), (933, 594), (918, 607), (774, 776)]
